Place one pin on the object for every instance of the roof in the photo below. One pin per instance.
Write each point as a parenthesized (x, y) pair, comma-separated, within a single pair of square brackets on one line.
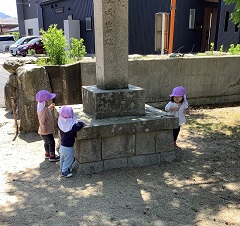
[(9, 21), (14, 29)]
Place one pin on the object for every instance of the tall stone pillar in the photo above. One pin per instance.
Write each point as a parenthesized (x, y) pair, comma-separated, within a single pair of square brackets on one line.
[(112, 96), (111, 39)]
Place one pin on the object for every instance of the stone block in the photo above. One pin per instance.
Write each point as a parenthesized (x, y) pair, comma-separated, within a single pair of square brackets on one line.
[(115, 163), (164, 141), (168, 156), (145, 143), (90, 168), (30, 79), (118, 146), (88, 150), (113, 103), (144, 160)]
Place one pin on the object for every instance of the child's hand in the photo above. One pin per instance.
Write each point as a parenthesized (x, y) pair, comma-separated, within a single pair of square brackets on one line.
[(51, 107), (174, 108), (187, 111)]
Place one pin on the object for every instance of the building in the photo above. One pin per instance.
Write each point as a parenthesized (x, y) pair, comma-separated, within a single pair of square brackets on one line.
[(7, 24), (196, 24)]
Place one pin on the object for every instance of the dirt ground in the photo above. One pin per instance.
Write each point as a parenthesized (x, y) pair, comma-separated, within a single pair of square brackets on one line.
[(202, 187)]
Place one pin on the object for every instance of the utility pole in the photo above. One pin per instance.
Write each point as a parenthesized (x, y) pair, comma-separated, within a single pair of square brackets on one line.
[(172, 22)]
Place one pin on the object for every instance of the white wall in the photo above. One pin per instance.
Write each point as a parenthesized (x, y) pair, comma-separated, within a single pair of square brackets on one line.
[(32, 24)]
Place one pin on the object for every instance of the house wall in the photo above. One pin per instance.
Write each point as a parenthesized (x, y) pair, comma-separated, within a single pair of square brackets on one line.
[(29, 17), (79, 11), (142, 23), (188, 40), (226, 38)]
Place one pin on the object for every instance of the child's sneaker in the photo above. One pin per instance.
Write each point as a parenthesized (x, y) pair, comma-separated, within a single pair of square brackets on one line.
[(47, 155), (67, 174), (54, 158)]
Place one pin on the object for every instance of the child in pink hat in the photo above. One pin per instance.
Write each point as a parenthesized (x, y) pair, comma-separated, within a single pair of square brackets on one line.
[(46, 123), (68, 128), (178, 107)]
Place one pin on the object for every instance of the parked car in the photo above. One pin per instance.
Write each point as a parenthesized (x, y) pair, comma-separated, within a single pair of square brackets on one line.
[(5, 42), (21, 41), (36, 44)]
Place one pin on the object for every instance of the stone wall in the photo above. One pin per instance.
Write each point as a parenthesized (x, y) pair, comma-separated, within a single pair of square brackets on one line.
[(208, 80), (66, 82)]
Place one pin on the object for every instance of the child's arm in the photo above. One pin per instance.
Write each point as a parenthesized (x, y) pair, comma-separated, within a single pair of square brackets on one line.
[(171, 107), (78, 126)]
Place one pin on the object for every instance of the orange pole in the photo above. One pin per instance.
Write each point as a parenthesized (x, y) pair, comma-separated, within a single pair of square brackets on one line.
[(172, 22)]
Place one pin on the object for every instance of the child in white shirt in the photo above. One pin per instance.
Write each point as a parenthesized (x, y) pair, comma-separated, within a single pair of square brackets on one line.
[(178, 107)]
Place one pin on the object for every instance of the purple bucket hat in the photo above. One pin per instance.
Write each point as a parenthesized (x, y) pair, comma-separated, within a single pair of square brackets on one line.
[(44, 95), (66, 112), (178, 91)]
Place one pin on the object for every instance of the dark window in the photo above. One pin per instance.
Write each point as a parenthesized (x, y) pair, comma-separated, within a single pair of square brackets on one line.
[(30, 31), (88, 23), (6, 38), (236, 27), (226, 21)]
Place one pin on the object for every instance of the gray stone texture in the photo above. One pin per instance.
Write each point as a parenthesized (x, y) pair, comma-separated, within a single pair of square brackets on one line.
[(118, 146), (90, 168), (115, 163), (159, 76), (111, 43), (10, 90), (153, 120), (145, 143), (66, 83), (168, 156), (12, 65), (144, 160), (101, 103), (31, 79), (164, 141), (88, 150)]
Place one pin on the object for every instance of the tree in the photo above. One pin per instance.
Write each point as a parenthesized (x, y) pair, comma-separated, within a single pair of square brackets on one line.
[(235, 16)]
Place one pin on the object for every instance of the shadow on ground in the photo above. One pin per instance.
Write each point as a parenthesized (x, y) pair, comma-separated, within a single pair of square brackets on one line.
[(200, 188)]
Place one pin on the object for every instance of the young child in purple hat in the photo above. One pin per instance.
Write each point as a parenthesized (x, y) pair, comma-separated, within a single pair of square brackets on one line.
[(46, 123), (68, 127), (178, 107)]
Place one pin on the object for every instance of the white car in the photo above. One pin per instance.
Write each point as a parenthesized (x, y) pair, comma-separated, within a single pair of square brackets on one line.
[(21, 41), (5, 42)]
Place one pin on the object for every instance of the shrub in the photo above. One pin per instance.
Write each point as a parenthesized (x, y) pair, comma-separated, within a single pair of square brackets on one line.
[(55, 44), (77, 49)]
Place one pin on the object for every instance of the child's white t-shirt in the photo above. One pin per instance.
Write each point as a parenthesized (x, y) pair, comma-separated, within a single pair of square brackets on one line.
[(180, 113)]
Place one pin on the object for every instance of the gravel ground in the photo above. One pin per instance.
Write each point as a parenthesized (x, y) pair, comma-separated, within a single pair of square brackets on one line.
[(202, 187)]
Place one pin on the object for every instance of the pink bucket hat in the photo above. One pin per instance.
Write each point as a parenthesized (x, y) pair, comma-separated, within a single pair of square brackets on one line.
[(178, 91), (44, 95), (66, 112)]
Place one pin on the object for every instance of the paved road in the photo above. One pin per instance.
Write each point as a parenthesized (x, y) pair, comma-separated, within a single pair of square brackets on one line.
[(3, 76)]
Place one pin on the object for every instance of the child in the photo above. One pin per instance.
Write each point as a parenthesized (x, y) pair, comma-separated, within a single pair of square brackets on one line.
[(178, 107), (46, 123), (68, 127)]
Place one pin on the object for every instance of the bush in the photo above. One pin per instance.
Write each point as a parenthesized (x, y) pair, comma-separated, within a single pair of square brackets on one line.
[(77, 50), (55, 44)]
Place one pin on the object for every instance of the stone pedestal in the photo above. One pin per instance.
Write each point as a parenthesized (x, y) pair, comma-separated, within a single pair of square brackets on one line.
[(101, 103), (122, 142)]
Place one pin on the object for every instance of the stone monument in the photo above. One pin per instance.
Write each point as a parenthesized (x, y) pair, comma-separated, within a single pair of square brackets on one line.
[(112, 96), (121, 130)]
